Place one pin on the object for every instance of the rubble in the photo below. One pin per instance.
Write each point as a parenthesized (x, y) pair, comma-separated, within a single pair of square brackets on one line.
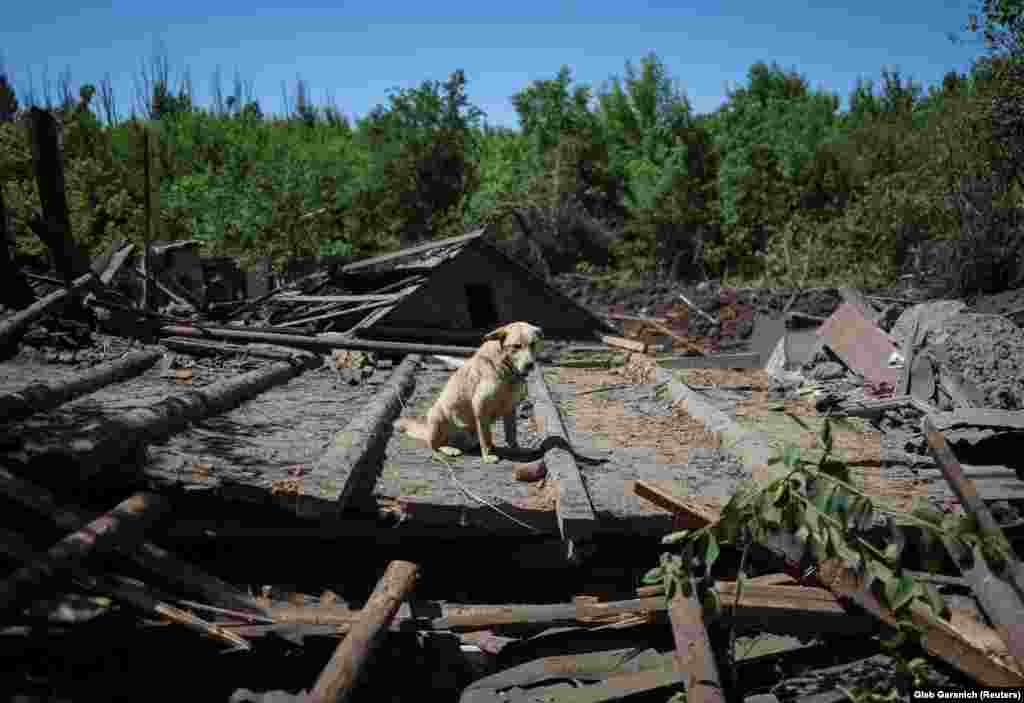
[(247, 428)]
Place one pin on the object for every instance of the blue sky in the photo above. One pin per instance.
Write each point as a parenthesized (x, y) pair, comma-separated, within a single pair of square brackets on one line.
[(360, 50)]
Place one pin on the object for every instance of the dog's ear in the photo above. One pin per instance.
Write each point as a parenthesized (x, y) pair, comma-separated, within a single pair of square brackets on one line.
[(498, 334)]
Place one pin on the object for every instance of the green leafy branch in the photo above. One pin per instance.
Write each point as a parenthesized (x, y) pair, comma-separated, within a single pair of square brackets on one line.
[(817, 504)]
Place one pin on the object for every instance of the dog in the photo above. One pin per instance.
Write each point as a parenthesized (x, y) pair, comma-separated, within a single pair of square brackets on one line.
[(488, 386)]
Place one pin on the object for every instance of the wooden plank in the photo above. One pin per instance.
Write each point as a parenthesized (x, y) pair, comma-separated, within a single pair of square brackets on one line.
[(751, 360), (121, 526), (695, 658), (689, 515), (623, 343), (860, 344), (342, 672), (1003, 603), (574, 508)]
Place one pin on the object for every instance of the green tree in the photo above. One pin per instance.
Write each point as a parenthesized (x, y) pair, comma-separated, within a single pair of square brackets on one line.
[(422, 158)]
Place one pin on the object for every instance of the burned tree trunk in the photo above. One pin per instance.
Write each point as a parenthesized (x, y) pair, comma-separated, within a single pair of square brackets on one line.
[(54, 225), (15, 292)]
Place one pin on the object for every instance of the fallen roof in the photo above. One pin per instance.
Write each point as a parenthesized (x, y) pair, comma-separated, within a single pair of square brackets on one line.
[(427, 255)]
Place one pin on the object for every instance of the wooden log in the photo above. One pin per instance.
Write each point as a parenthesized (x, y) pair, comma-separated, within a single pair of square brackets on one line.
[(574, 508), (133, 594), (54, 227), (695, 658), (264, 351), (13, 326), (147, 555), (321, 342), (350, 464), (120, 437), (38, 397), (342, 672), (623, 343), (472, 337), (1001, 595), (122, 525)]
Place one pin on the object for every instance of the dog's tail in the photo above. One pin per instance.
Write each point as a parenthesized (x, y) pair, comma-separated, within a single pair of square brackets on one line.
[(414, 427)]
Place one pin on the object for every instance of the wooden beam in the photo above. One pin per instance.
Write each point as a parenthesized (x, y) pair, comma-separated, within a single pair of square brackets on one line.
[(623, 343), (695, 658), (690, 515), (575, 511), (320, 342), (1003, 601), (121, 526), (346, 665)]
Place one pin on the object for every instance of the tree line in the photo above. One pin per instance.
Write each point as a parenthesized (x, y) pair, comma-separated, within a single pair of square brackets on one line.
[(779, 184)]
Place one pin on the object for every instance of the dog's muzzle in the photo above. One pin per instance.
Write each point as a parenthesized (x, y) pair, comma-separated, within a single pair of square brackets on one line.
[(514, 374)]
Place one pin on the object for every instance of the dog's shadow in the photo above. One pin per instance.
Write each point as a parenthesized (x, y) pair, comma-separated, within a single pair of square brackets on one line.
[(523, 454)]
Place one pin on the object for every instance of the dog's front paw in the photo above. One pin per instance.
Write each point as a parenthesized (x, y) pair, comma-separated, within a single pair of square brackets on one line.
[(489, 458), (450, 451)]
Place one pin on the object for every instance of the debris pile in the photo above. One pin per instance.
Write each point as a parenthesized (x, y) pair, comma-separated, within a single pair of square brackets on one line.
[(202, 466)]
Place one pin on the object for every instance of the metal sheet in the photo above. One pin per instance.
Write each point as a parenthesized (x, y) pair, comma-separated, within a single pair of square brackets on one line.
[(860, 344)]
